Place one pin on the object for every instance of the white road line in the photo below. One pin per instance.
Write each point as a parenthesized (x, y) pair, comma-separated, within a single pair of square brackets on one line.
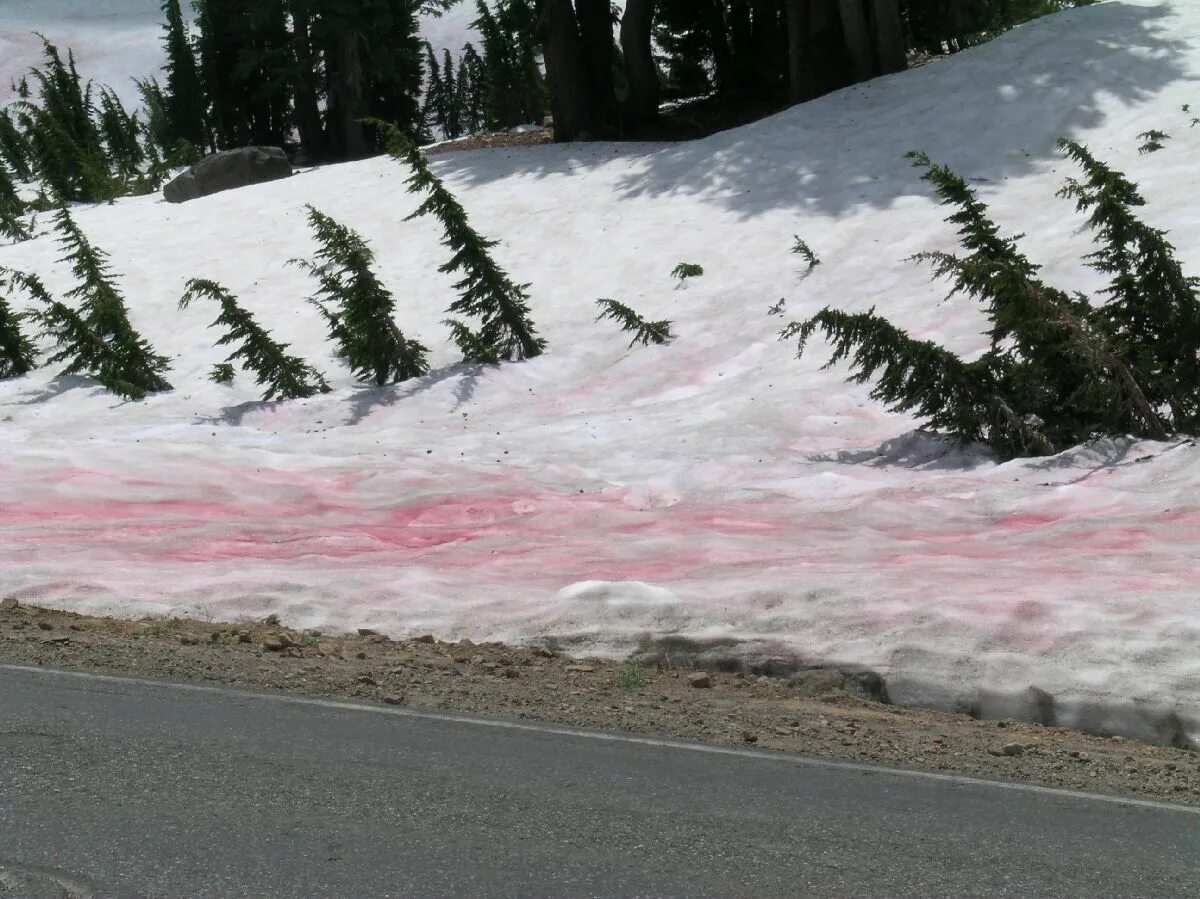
[(602, 736)]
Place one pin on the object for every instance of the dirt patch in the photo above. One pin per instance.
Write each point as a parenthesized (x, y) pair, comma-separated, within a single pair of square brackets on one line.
[(816, 713)]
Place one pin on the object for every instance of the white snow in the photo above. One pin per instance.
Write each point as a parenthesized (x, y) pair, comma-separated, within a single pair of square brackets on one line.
[(715, 488)]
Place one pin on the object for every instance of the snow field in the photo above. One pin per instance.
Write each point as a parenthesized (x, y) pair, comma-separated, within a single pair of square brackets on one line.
[(715, 488)]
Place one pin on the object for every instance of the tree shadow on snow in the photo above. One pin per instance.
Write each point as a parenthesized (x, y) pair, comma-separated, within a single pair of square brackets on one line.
[(56, 387), (367, 399), (992, 112)]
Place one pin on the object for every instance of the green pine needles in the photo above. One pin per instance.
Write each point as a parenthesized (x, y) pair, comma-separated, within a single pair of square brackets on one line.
[(686, 270), (486, 292), (644, 332), (1060, 369), (1152, 141), (281, 375), (17, 353), (358, 308), (96, 340), (805, 252), (12, 209)]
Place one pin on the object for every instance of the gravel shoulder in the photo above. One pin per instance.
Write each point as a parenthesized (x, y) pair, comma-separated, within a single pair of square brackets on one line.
[(818, 713)]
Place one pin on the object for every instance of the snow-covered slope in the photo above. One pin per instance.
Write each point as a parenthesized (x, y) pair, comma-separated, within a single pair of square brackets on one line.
[(715, 488)]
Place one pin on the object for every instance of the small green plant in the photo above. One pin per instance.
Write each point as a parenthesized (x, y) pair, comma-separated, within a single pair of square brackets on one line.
[(222, 373), (309, 638), (778, 308), (686, 270), (644, 332), (804, 251), (283, 376), (1152, 141), (272, 620), (632, 677)]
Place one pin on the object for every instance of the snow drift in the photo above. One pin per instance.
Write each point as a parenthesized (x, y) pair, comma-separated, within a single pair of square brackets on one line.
[(715, 488)]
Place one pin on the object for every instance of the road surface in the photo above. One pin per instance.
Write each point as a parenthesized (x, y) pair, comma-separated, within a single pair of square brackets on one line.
[(126, 788)]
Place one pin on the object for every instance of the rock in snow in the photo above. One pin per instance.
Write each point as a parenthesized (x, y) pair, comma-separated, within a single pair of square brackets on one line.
[(228, 170)]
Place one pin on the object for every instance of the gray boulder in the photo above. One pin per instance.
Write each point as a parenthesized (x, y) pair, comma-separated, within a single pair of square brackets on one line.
[(227, 170)]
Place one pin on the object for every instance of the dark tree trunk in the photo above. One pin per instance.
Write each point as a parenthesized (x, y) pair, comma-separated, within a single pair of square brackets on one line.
[(800, 80), (566, 72), (308, 113), (345, 98), (644, 89), (596, 33), (859, 46), (888, 32)]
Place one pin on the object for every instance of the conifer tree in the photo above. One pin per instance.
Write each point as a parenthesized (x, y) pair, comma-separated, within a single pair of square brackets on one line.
[(357, 306), (1060, 370), (98, 339), (186, 108), (14, 149), (470, 90), (453, 115), (486, 291), (120, 132), (12, 209), (282, 375), (644, 332), (433, 111), (17, 352)]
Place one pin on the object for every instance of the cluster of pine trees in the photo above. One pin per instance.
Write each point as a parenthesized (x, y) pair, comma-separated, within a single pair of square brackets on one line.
[(77, 142)]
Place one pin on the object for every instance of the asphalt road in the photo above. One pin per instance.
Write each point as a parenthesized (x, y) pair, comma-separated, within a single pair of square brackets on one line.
[(124, 788)]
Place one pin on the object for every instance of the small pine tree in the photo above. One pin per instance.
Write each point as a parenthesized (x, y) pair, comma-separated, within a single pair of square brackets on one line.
[(686, 270), (282, 375), (1152, 141), (475, 350), (14, 148), (98, 339), (121, 133), (358, 308), (486, 290), (644, 332), (17, 353), (12, 210), (124, 364), (1060, 370), (805, 252), (222, 373)]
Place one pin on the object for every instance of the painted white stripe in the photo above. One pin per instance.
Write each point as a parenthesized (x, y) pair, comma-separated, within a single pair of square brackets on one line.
[(604, 736)]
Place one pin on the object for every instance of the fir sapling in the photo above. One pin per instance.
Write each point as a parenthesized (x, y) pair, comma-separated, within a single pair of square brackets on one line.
[(644, 332), (1152, 141), (282, 376), (222, 373), (124, 364), (804, 251), (686, 270), (475, 350), (1060, 369), (486, 292), (12, 210), (97, 339), (358, 308), (18, 355)]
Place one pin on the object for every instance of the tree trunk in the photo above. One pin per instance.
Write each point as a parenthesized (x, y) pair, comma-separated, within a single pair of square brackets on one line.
[(889, 36), (345, 98), (566, 72), (858, 39), (644, 89), (596, 34), (800, 80), (308, 114)]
